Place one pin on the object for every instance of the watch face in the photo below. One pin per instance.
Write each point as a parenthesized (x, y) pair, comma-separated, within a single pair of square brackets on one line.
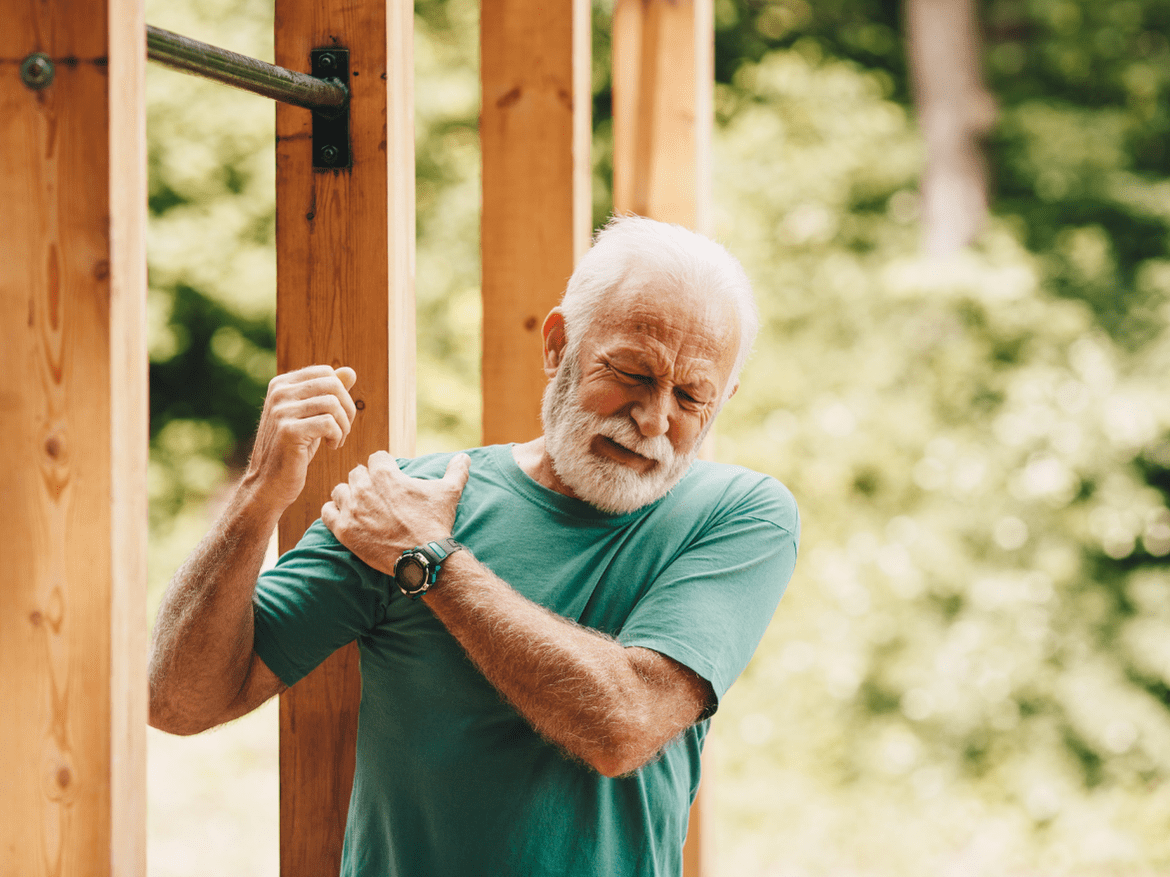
[(411, 574)]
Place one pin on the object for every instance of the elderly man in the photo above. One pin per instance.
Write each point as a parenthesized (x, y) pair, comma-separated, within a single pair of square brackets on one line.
[(545, 628)]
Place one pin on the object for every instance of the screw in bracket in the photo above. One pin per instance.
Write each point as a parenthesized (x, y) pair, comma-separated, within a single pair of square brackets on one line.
[(327, 62), (329, 154), (37, 71)]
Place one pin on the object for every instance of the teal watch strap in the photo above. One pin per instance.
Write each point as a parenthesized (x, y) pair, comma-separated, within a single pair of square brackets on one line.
[(443, 548)]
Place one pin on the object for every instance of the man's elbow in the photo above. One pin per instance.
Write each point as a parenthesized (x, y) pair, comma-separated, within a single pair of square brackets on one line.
[(166, 720), (614, 764), (621, 754), (165, 716), (177, 729), (171, 713)]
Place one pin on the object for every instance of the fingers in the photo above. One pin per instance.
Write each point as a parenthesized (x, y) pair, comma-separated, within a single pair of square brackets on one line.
[(302, 410), (347, 376), (383, 461), (457, 472), (309, 392), (317, 380), (329, 516), (323, 427), (383, 465), (379, 510)]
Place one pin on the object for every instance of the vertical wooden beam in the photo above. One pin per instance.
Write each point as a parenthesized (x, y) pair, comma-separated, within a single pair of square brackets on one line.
[(663, 81), (73, 426), (345, 296), (535, 133), (130, 430)]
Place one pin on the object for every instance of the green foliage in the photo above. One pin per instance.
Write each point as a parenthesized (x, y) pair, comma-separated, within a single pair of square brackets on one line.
[(212, 272), (976, 630), (1080, 154), (447, 216), (867, 32)]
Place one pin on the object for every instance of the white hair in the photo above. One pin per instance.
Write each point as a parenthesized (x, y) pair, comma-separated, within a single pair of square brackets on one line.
[(662, 255)]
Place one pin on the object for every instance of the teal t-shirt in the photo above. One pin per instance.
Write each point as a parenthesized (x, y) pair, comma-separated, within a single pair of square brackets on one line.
[(450, 779)]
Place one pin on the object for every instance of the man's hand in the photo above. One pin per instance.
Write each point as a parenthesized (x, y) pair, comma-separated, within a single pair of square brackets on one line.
[(381, 512), (301, 410)]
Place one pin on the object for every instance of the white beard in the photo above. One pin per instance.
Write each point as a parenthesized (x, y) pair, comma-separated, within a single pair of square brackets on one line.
[(603, 482)]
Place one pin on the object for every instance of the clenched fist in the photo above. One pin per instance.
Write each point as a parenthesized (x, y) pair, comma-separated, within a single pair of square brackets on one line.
[(301, 410)]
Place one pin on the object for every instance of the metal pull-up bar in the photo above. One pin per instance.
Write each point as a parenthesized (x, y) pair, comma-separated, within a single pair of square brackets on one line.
[(267, 80), (324, 92)]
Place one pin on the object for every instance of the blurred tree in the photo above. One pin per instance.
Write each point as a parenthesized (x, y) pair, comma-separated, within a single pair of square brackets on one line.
[(955, 113), (965, 664), (1082, 185), (1079, 157)]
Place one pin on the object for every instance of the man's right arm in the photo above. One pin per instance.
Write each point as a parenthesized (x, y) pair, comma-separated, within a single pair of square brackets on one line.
[(203, 669)]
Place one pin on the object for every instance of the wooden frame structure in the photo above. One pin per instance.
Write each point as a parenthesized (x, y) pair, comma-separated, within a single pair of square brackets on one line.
[(72, 311)]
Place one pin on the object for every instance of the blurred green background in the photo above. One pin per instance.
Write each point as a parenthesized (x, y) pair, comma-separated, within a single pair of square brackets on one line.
[(970, 674)]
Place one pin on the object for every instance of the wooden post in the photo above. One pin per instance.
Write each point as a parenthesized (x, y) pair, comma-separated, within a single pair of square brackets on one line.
[(663, 80), (73, 428), (345, 296), (535, 132)]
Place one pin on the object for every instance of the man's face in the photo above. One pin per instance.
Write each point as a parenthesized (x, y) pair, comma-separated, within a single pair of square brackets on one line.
[(626, 417)]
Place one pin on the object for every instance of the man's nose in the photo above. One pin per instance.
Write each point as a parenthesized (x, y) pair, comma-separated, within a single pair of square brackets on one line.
[(651, 414)]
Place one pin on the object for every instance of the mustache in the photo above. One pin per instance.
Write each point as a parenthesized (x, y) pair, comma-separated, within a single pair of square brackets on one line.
[(622, 430)]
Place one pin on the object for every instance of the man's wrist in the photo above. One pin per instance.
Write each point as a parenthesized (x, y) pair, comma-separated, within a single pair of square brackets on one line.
[(417, 570), (255, 507)]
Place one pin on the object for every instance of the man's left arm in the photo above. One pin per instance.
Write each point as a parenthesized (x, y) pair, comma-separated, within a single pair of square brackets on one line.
[(613, 707)]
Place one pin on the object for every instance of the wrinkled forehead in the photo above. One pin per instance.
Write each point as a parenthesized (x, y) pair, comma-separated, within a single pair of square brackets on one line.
[(674, 320), (648, 307)]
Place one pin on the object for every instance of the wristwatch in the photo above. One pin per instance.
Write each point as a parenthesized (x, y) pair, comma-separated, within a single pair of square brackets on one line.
[(418, 567)]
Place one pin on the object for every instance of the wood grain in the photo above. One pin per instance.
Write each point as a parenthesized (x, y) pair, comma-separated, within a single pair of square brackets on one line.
[(663, 80), (130, 428), (73, 429), (663, 77), (345, 296), (534, 131)]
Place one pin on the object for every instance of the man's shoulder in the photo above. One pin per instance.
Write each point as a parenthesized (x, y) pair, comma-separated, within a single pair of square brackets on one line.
[(433, 465), (741, 492)]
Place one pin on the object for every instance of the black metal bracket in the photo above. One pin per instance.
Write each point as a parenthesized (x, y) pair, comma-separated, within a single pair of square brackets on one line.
[(331, 127)]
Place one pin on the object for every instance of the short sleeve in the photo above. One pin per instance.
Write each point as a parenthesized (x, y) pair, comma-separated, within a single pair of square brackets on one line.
[(317, 598), (710, 606)]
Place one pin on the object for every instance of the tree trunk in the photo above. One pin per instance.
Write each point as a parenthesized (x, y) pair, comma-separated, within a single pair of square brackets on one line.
[(955, 111)]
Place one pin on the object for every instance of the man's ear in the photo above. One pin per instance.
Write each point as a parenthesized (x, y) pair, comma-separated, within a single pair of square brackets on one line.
[(553, 333)]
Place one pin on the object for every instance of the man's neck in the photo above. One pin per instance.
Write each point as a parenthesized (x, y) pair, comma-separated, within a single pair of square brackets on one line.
[(534, 461)]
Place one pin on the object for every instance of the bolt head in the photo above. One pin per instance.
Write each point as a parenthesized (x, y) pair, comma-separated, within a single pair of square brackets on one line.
[(37, 71), (329, 154), (327, 61)]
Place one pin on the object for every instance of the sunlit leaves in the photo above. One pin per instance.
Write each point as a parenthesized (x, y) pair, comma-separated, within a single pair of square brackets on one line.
[(962, 442)]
